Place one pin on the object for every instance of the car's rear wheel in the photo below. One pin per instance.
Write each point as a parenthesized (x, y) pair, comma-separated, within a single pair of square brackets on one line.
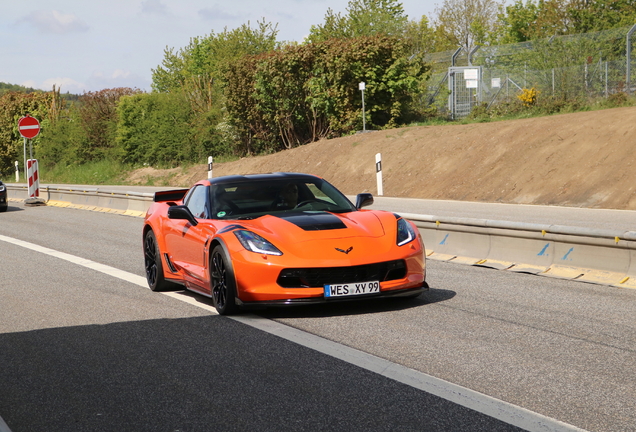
[(223, 282), (154, 266)]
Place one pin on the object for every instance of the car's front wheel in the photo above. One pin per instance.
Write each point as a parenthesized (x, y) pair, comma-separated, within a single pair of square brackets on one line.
[(154, 266), (223, 283)]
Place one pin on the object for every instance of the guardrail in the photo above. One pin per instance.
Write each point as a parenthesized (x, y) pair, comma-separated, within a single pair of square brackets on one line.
[(590, 255), (128, 203)]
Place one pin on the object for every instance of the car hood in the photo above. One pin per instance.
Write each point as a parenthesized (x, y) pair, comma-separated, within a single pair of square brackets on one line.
[(328, 235)]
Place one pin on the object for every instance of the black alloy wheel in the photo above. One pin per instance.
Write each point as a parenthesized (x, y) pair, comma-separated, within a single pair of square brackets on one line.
[(223, 283), (154, 266)]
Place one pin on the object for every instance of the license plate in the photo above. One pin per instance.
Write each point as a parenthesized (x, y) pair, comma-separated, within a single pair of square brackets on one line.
[(352, 289)]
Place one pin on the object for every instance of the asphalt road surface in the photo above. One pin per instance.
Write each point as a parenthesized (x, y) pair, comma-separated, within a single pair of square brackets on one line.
[(84, 347)]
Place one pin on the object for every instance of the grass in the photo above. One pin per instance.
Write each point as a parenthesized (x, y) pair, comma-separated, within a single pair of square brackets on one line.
[(104, 172), (92, 173)]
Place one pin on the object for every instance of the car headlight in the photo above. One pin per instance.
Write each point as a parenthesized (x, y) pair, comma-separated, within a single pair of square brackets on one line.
[(405, 232), (255, 243), (2, 188)]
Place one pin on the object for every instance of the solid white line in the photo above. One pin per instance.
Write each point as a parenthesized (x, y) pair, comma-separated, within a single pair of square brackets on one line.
[(3, 426), (504, 411), (103, 268)]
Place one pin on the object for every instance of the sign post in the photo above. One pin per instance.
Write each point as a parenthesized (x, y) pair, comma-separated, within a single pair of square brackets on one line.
[(29, 128), (362, 87)]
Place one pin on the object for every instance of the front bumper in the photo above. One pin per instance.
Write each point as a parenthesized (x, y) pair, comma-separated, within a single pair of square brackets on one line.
[(410, 292)]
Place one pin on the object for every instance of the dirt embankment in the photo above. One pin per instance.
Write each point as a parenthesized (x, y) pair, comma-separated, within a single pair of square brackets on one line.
[(582, 160)]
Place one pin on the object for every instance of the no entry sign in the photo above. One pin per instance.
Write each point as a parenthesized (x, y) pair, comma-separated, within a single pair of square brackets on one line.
[(29, 127)]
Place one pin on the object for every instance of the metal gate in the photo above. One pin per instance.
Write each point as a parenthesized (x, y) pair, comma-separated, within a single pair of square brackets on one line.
[(465, 88)]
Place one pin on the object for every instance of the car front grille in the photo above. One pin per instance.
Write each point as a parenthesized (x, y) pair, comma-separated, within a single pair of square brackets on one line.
[(318, 277)]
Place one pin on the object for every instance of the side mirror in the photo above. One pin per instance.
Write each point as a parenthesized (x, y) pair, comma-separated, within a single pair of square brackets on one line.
[(364, 200), (182, 213)]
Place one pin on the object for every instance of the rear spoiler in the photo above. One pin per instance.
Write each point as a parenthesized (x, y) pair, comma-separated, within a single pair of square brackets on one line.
[(170, 195)]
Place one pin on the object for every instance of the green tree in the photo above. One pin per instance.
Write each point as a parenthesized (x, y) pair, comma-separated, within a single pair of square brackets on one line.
[(534, 20), (363, 18), (466, 23), (197, 69), (98, 117), (65, 142), (300, 94), (198, 73), (419, 37), (156, 129), (42, 105)]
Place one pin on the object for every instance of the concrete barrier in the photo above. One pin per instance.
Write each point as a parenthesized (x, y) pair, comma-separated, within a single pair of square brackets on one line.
[(589, 255)]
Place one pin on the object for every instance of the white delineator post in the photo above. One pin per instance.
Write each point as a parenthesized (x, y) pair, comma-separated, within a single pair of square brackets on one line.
[(378, 172), (17, 172), (210, 160)]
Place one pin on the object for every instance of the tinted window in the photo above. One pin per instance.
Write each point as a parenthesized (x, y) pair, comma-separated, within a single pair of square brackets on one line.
[(196, 201), (257, 198)]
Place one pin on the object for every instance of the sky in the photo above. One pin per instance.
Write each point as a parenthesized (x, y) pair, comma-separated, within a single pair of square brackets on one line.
[(89, 45)]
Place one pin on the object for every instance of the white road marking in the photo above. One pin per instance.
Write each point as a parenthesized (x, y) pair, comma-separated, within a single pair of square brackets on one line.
[(112, 271), (103, 268), (3, 426), (504, 411)]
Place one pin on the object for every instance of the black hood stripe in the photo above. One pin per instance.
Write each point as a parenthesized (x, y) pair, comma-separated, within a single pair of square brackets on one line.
[(314, 221)]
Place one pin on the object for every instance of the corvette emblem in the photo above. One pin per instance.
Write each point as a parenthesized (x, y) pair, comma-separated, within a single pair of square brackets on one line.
[(345, 251)]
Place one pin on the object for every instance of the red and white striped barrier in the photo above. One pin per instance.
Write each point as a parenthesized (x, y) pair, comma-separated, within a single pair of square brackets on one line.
[(34, 178)]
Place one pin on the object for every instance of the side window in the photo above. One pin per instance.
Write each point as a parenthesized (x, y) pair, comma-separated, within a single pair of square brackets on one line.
[(197, 202)]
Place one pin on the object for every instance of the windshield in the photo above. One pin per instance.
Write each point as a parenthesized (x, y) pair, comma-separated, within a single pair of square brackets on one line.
[(254, 199)]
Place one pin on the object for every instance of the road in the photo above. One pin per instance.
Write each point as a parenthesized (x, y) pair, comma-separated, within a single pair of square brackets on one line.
[(81, 349)]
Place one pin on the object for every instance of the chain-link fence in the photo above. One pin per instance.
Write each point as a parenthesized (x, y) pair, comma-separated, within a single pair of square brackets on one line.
[(589, 65)]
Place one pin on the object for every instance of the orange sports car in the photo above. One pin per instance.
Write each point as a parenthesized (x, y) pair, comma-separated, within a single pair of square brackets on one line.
[(278, 239)]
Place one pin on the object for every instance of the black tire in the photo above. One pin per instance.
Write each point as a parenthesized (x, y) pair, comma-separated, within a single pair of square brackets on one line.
[(154, 266), (223, 283), (4, 208)]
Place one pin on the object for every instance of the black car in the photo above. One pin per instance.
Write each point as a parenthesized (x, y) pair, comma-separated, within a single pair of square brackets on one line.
[(4, 201)]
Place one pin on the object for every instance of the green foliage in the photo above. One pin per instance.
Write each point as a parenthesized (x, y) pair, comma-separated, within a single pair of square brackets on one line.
[(244, 120), (98, 115), (419, 37), (84, 131), (198, 73), (103, 172), (64, 143), (300, 94), (157, 129), (13, 106), (363, 18), (198, 68), (539, 19), (392, 82), (466, 23), (282, 97), (6, 88)]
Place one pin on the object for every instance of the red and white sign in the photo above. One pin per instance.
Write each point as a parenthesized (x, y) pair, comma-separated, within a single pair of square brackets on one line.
[(29, 127), (34, 178)]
